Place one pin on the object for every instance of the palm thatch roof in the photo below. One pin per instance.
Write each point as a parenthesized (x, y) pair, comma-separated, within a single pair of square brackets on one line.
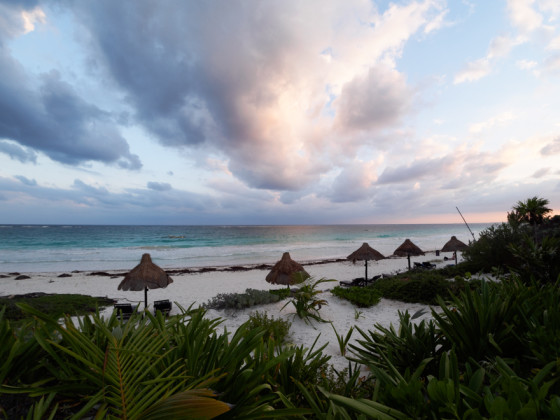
[(287, 271), (145, 275), (365, 253), (408, 249), (453, 245)]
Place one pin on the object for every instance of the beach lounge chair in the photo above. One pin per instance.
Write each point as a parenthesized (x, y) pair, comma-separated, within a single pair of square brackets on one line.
[(428, 265), (372, 280), (164, 306), (359, 282), (124, 310), (418, 265)]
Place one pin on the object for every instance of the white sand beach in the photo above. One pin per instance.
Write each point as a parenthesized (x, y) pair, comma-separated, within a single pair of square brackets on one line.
[(199, 288)]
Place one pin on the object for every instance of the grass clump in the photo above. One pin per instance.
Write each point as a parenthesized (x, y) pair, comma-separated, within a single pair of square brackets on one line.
[(276, 329), (251, 297), (363, 297)]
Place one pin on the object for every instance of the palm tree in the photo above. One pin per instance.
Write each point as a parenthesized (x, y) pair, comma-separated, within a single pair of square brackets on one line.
[(532, 211)]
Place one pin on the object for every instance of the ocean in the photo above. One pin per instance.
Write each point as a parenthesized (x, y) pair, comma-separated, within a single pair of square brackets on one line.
[(60, 248)]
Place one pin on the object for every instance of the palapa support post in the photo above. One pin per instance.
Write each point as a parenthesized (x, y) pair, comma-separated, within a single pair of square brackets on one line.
[(366, 271), (408, 257), (145, 298)]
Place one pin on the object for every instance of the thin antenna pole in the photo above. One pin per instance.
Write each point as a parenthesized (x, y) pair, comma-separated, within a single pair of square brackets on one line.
[(466, 223)]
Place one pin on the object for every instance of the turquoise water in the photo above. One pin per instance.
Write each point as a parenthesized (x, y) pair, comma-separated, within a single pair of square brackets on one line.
[(36, 248)]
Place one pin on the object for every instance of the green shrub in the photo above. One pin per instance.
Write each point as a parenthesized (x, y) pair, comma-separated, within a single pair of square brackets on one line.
[(363, 297), (404, 349), (54, 305), (537, 261), (281, 293), (275, 329), (251, 297), (479, 324), (421, 287), (491, 249)]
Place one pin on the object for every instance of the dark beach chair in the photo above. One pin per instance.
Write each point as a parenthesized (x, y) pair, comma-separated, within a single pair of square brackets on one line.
[(372, 280), (359, 282), (124, 310), (418, 265), (428, 265), (164, 306)]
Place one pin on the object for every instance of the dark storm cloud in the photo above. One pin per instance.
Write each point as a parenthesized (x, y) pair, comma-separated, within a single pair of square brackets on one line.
[(23, 154), (53, 118)]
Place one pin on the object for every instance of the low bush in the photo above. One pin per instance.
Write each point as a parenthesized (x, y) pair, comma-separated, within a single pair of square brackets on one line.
[(251, 297), (55, 305), (276, 329), (281, 293), (363, 297), (404, 348)]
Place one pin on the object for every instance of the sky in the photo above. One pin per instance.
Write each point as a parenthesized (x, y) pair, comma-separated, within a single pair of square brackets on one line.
[(277, 112)]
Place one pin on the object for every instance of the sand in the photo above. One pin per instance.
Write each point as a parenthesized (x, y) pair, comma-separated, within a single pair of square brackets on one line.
[(199, 288)]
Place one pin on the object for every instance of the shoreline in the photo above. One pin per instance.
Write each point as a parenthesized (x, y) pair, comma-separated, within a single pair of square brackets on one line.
[(214, 268)]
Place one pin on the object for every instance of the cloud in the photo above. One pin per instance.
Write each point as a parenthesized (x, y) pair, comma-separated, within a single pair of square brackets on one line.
[(48, 115), (414, 171), (353, 183), (523, 16), (478, 69), (15, 151), (159, 186), (526, 64), (254, 88), (473, 71), (26, 181), (498, 120), (541, 173), (32, 17), (553, 148), (374, 100)]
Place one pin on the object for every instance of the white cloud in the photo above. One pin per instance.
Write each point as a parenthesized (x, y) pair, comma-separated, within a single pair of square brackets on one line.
[(554, 44), (526, 64), (499, 120), (32, 17), (523, 15), (473, 71)]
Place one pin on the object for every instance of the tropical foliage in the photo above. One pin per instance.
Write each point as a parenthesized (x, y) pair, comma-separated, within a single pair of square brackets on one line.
[(307, 301), (363, 297), (532, 211), (490, 349)]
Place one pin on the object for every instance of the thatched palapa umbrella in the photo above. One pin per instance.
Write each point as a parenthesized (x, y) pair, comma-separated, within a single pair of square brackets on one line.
[(408, 249), (287, 271), (144, 276), (365, 253), (454, 245)]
